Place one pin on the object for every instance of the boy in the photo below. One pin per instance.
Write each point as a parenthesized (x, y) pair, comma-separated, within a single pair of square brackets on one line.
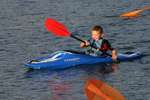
[(99, 44)]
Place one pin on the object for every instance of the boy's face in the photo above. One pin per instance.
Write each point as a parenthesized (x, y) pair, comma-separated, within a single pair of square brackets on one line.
[(96, 35)]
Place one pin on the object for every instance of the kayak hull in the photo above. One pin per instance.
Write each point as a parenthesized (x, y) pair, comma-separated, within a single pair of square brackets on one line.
[(64, 59)]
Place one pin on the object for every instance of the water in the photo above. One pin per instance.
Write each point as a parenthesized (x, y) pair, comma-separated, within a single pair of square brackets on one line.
[(23, 37)]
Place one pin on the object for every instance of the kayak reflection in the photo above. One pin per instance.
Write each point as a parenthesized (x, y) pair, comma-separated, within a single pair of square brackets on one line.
[(101, 68)]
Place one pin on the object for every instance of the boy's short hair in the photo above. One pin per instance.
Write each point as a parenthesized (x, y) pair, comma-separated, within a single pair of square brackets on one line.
[(97, 28)]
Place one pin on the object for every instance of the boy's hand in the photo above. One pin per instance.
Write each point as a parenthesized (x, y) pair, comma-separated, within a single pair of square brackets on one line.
[(87, 43), (84, 44), (114, 55)]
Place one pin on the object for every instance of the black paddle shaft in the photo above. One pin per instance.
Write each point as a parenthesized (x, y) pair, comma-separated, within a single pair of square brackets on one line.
[(79, 39)]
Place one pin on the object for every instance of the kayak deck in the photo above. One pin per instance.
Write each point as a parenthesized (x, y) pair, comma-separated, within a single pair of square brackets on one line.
[(66, 59)]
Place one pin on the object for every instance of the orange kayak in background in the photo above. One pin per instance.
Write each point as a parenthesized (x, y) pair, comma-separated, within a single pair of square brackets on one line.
[(135, 13)]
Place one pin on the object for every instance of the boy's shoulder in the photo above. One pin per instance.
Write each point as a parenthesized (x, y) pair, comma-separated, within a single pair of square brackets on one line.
[(105, 40)]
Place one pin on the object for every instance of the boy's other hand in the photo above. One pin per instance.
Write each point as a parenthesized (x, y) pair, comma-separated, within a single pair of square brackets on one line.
[(114, 57)]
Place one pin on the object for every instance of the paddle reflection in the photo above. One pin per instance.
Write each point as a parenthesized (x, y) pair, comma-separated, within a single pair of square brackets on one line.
[(98, 90)]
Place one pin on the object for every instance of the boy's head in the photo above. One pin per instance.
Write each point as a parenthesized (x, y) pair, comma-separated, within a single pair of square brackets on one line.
[(97, 32)]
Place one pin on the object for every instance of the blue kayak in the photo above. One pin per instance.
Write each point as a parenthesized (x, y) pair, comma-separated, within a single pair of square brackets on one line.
[(66, 59)]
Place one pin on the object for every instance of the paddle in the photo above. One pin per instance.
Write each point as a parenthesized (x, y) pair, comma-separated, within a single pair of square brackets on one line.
[(58, 29), (98, 90), (135, 13)]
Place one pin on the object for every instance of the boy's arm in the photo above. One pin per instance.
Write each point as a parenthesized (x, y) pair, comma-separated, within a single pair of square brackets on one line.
[(114, 52), (109, 47)]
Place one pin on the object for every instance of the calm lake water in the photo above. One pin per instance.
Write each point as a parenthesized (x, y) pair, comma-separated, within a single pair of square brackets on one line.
[(24, 37)]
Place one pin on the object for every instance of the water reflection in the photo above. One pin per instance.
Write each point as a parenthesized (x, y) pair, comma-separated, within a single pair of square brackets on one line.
[(62, 83), (60, 90)]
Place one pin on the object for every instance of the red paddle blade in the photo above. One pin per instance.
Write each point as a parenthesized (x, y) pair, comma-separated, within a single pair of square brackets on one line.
[(98, 90), (56, 28)]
